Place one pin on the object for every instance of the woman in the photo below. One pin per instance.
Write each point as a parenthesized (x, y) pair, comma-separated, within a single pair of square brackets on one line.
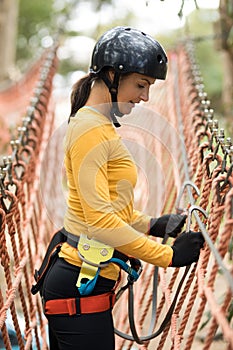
[(101, 222)]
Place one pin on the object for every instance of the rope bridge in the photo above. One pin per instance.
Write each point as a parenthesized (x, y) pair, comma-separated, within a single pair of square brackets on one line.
[(184, 163)]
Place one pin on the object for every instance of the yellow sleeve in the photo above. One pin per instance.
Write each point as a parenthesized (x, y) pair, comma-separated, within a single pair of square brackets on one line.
[(148, 250), (141, 221), (89, 155)]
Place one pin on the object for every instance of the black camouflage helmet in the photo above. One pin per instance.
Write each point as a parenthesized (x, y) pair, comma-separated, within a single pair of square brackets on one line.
[(129, 50)]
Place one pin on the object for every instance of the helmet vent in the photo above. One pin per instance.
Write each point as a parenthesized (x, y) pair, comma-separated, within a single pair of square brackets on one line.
[(160, 59)]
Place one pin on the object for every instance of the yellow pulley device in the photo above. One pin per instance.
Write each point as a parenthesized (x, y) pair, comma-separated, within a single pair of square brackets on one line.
[(94, 255)]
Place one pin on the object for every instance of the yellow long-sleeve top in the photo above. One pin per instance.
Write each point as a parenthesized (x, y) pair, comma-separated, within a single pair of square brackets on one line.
[(101, 179)]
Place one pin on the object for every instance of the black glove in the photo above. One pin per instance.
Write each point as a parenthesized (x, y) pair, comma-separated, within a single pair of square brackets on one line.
[(170, 224), (186, 248)]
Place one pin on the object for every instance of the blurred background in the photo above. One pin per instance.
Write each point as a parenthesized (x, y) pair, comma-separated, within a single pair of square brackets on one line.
[(28, 27)]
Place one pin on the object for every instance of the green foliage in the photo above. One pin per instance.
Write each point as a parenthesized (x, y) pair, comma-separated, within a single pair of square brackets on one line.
[(200, 28), (35, 19), (208, 57), (38, 19), (66, 66), (210, 64), (46, 18)]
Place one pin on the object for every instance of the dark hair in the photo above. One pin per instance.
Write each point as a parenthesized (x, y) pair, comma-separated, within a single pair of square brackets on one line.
[(81, 89), (80, 92)]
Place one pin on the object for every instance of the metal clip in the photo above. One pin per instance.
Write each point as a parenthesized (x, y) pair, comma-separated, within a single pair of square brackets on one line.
[(220, 142), (185, 184), (190, 211), (2, 185), (22, 135), (15, 144), (8, 167), (214, 131)]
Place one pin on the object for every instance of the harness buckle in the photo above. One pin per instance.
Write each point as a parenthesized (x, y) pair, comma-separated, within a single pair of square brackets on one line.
[(94, 255), (71, 305), (137, 268)]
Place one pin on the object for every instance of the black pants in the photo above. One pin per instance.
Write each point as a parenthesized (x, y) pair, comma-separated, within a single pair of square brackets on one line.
[(77, 332)]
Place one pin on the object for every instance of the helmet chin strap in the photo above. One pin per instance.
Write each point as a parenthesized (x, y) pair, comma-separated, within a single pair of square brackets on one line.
[(113, 89)]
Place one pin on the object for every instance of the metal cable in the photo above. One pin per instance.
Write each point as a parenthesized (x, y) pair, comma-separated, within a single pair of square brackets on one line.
[(216, 254)]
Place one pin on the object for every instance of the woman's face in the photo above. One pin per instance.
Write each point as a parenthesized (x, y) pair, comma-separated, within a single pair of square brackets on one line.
[(132, 89)]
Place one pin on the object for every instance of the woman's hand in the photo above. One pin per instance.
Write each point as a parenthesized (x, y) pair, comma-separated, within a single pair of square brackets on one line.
[(186, 248), (170, 224)]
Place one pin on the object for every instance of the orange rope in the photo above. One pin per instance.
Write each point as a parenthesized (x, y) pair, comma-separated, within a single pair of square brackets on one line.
[(28, 199)]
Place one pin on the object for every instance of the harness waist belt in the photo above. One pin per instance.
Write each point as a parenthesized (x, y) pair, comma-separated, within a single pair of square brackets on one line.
[(77, 306), (73, 240)]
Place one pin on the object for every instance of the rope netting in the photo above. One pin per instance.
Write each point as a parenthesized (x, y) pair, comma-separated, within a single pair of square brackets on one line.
[(23, 223), (184, 162), (14, 99), (197, 161)]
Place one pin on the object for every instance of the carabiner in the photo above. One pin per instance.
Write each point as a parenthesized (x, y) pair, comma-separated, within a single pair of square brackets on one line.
[(185, 184), (189, 217)]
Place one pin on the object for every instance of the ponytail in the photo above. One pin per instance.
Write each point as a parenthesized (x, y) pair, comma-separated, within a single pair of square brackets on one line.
[(80, 93)]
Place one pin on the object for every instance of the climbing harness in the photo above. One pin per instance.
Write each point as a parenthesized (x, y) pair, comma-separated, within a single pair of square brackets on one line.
[(49, 259), (94, 256), (78, 306)]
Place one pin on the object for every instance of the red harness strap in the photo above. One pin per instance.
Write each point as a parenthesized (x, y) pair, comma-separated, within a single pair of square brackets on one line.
[(77, 306)]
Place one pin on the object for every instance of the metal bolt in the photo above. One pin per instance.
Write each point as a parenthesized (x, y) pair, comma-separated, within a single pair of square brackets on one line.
[(104, 252), (228, 142)]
